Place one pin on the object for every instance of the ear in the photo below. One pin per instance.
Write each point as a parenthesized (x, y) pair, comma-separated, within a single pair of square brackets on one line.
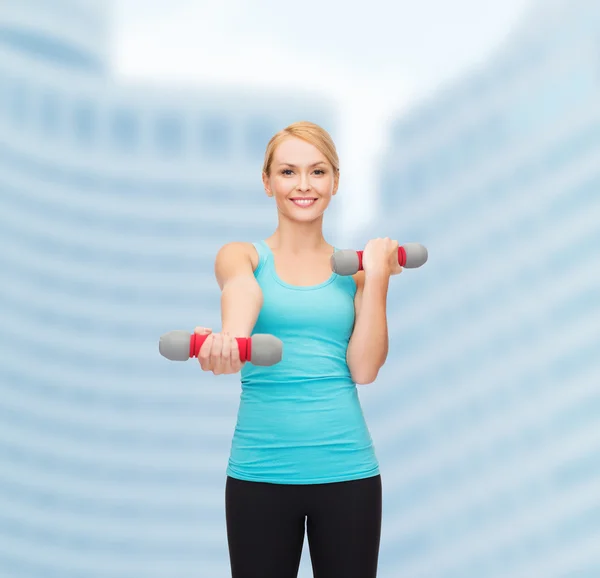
[(265, 179), (336, 182)]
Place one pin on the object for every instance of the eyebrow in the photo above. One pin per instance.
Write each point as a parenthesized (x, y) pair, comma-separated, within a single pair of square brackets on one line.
[(294, 166)]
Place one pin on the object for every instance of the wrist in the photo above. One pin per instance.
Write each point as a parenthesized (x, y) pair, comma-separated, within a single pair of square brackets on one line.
[(235, 331), (379, 276)]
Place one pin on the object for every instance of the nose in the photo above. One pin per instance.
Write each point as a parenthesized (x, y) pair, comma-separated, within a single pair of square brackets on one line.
[(304, 184)]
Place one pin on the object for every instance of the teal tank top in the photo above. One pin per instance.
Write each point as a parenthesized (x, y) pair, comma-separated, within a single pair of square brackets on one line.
[(300, 421)]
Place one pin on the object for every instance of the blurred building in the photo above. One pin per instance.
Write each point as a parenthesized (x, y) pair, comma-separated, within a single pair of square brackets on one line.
[(114, 200), (486, 414)]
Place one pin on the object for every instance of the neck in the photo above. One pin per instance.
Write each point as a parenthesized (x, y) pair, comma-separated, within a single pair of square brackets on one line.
[(294, 237)]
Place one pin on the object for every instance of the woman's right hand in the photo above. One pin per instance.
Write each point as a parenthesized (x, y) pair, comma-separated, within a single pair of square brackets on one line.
[(219, 352)]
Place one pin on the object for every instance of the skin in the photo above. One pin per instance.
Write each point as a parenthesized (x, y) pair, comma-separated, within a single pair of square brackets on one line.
[(301, 253)]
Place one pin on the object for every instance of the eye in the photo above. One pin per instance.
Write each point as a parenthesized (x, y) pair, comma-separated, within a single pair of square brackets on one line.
[(286, 171), (320, 171)]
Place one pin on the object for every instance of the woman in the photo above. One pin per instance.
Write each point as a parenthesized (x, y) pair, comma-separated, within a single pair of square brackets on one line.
[(301, 452)]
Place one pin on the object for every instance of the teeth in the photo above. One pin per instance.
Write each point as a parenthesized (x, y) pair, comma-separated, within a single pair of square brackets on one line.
[(304, 201)]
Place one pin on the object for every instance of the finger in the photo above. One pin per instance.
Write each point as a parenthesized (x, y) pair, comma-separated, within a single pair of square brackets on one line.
[(202, 330), (204, 353), (226, 353), (236, 363), (216, 361)]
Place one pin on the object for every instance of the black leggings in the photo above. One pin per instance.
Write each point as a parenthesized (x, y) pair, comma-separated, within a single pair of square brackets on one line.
[(266, 522)]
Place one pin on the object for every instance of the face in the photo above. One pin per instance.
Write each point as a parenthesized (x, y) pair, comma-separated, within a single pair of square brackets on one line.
[(302, 180)]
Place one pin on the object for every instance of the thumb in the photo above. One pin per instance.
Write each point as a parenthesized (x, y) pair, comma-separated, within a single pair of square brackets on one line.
[(202, 330)]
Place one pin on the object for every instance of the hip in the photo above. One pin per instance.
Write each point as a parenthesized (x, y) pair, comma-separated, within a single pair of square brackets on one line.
[(303, 463)]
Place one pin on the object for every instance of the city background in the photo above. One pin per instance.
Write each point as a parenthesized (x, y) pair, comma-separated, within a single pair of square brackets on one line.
[(121, 174)]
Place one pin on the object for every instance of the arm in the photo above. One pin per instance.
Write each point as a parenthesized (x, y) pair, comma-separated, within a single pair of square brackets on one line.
[(368, 346), (241, 295)]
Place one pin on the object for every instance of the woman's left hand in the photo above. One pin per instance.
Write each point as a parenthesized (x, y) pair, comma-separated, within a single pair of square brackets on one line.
[(380, 256)]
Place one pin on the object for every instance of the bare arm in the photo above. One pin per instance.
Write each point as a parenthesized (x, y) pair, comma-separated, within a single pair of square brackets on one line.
[(241, 295), (368, 346), (241, 301)]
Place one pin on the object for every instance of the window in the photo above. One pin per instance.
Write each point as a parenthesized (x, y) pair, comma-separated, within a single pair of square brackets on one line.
[(215, 138), (257, 136), (84, 122), (42, 46), (124, 129), (50, 114), (17, 103), (169, 134)]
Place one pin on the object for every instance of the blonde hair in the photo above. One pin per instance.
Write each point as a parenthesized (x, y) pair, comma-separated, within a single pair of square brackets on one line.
[(309, 132)]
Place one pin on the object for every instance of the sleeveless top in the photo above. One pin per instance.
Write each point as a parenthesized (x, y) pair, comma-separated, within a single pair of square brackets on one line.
[(300, 421)]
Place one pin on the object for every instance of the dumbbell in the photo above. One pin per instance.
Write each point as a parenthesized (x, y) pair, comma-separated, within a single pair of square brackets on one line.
[(260, 349), (349, 261)]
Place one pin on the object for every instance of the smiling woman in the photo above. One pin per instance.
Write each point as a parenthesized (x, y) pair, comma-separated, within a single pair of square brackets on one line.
[(302, 455)]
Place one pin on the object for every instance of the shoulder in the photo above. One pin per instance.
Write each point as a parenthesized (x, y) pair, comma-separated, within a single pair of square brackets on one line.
[(235, 260), (236, 252)]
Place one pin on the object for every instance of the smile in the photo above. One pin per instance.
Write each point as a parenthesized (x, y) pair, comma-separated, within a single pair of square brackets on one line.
[(303, 202)]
